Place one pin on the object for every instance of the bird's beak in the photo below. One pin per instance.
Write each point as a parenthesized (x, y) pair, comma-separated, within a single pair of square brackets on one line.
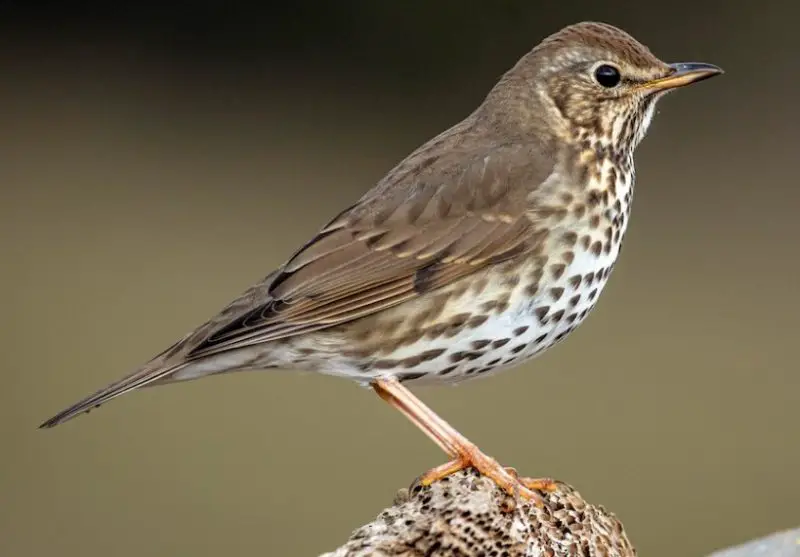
[(683, 73)]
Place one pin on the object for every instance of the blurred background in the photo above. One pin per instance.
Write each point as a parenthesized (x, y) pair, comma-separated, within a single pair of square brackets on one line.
[(158, 158)]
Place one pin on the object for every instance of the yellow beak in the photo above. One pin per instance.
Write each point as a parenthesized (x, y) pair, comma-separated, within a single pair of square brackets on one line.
[(683, 73)]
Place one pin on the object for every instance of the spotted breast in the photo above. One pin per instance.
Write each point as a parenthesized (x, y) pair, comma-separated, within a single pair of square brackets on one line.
[(505, 314)]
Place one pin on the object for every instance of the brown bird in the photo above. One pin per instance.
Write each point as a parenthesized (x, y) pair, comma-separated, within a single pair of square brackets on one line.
[(485, 246)]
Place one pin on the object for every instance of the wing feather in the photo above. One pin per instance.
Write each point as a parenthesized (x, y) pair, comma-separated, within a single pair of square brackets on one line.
[(440, 215), (399, 241)]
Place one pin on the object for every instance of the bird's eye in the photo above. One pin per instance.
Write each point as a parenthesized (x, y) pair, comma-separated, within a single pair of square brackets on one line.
[(607, 76)]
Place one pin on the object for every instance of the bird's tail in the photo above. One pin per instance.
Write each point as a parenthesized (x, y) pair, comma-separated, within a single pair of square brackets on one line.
[(155, 371)]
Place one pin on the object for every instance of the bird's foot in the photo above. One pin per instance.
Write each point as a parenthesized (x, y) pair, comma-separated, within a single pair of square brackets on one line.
[(505, 477), (536, 484)]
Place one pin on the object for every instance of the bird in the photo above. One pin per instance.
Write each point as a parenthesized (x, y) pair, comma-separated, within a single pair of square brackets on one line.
[(484, 247)]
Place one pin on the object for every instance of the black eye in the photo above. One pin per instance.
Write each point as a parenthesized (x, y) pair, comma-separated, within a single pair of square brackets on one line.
[(607, 76)]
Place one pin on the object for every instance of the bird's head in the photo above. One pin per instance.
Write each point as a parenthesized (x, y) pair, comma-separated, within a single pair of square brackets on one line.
[(594, 82)]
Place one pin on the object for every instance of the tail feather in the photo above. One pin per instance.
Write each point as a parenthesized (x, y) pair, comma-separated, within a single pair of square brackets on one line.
[(147, 375)]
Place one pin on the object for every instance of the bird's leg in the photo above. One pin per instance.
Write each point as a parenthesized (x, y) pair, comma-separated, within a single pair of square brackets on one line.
[(464, 453)]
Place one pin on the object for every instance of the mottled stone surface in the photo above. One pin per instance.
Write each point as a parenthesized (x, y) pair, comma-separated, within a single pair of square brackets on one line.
[(467, 515)]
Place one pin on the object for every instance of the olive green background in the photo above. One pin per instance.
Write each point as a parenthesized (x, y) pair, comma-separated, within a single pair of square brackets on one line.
[(157, 159)]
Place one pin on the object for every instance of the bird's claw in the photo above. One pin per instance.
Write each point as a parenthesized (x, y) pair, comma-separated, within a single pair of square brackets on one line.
[(506, 478)]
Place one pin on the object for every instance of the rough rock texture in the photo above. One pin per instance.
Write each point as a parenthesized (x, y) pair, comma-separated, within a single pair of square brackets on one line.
[(467, 515)]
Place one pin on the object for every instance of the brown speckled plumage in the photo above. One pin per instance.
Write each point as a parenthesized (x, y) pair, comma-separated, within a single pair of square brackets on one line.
[(482, 248)]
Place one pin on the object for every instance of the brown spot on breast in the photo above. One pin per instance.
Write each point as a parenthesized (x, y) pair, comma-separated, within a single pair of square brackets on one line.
[(357, 354), (519, 348), (502, 304), (500, 342), (588, 278), (609, 232), (411, 376), (459, 290), (607, 248), (569, 239), (556, 293), (593, 198), (429, 355), (594, 221), (539, 261), (480, 284), (579, 210), (568, 257), (447, 370), (582, 175), (597, 248), (384, 364), (593, 294), (575, 281), (557, 316), (459, 319), (566, 197), (435, 331), (411, 361), (477, 321), (557, 270), (520, 330), (410, 337), (420, 318), (478, 344), (532, 289), (541, 338), (541, 313), (574, 300), (489, 306), (510, 280), (571, 318), (612, 181), (586, 241)]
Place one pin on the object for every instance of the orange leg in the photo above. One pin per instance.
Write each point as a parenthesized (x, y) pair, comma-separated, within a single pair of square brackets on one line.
[(464, 453)]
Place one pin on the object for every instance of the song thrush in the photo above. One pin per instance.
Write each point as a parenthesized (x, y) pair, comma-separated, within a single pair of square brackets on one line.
[(485, 246)]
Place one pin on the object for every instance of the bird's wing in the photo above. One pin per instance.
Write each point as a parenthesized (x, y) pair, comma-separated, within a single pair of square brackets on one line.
[(426, 225), (430, 222)]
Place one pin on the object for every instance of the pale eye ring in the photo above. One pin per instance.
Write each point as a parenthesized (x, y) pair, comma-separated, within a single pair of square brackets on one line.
[(607, 75)]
